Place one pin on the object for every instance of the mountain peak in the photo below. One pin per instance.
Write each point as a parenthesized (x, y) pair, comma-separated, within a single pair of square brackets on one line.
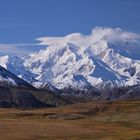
[(104, 56)]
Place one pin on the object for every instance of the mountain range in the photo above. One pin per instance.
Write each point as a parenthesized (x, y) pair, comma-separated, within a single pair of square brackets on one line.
[(107, 58)]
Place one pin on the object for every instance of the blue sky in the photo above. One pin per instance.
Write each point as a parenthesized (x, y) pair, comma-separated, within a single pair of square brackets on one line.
[(22, 21)]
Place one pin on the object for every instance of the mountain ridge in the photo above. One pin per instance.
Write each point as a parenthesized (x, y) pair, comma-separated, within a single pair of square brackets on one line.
[(9, 79), (105, 56)]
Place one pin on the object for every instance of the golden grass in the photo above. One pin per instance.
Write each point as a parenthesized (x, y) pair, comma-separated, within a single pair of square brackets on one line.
[(81, 121)]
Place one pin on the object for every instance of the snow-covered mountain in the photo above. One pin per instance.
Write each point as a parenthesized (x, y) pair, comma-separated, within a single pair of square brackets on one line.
[(15, 65), (9, 79), (105, 57)]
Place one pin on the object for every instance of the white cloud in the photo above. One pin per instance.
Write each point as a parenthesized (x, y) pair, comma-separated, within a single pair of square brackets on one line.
[(97, 34), (9, 49), (114, 36), (19, 49), (127, 43)]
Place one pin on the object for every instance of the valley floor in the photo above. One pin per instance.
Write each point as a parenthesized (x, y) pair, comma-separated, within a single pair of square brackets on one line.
[(82, 121)]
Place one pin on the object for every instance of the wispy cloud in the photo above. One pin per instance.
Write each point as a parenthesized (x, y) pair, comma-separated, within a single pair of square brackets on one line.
[(127, 43), (19, 49), (111, 35), (97, 34)]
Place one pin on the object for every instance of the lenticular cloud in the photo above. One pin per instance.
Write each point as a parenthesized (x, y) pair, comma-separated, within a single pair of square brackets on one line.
[(97, 34), (127, 43)]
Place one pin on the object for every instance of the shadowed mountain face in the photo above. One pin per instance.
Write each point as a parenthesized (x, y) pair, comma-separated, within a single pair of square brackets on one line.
[(120, 93), (19, 99), (29, 98), (8, 78), (105, 94)]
